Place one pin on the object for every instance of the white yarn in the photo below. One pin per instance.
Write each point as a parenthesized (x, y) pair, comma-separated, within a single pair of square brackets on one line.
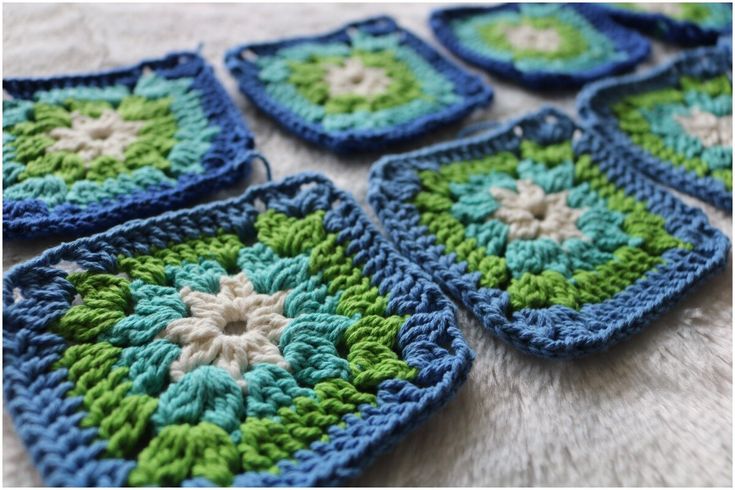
[(530, 38), (353, 77), (91, 137), (710, 129), (232, 329), (531, 213)]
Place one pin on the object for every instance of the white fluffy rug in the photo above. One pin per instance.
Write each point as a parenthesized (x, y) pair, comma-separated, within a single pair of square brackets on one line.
[(654, 411)]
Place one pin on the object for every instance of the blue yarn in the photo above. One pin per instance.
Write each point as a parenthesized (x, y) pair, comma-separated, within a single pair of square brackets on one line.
[(227, 160), (634, 47), (47, 420), (665, 27), (470, 89), (593, 105), (556, 331)]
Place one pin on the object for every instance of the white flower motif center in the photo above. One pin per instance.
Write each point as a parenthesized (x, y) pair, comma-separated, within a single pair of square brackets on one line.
[(232, 329), (531, 213), (533, 39), (708, 128), (353, 77), (91, 137)]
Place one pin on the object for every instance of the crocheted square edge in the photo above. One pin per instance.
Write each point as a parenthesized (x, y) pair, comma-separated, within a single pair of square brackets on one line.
[(668, 29), (475, 92), (62, 456), (488, 305), (636, 47), (220, 172), (595, 99)]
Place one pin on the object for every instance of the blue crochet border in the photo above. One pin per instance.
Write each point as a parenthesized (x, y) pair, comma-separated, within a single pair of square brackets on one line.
[(47, 421), (394, 181), (474, 91), (594, 103), (228, 159), (635, 46), (664, 27)]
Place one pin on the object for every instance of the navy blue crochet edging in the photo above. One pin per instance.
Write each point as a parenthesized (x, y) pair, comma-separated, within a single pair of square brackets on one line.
[(36, 294), (227, 160), (635, 46), (594, 105), (664, 27), (394, 182), (474, 91)]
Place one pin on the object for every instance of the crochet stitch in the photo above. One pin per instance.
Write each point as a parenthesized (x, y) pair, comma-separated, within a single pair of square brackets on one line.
[(542, 46), (673, 122), (362, 87), (84, 152), (687, 24), (274, 339), (544, 233)]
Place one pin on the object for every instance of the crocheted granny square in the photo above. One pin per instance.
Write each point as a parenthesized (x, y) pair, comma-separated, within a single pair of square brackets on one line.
[(274, 339), (544, 233), (674, 122), (681, 23), (362, 87), (84, 152), (542, 46)]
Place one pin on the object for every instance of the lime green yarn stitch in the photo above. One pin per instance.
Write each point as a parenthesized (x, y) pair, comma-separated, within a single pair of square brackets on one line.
[(572, 42), (571, 276), (339, 341), (151, 136), (309, 79), (155, 140), (676, 148)]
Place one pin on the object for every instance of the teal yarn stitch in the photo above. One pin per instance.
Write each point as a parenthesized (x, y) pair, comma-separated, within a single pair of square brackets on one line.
[(81, 153), (638, 114), (273, 339), (701, 26), (365, 86), (557, 263), (566, 45)]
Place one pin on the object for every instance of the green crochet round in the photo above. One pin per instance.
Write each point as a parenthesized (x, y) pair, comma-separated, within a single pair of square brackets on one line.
[(213, 357), (543, 224), (653, 121), (83, 145)]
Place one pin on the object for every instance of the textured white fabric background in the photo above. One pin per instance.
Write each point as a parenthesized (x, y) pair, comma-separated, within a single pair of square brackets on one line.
[(654, 411)]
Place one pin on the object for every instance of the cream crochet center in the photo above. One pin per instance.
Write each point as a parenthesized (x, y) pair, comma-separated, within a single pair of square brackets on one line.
[(710, 129), (353, 77), (90, 137), (531, 38), (232, 329), (531, 213)]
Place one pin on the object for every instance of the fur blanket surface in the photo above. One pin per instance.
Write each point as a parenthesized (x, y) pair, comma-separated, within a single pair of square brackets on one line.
[(653, 411)]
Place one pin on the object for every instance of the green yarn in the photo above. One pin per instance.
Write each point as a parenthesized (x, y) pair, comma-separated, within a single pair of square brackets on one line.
[(289, 236), (182, 451), (265, 442), (87, 364), (640, 116), (337, 344), (623, 240), (107, 300), (309, 78), (222, 248), (572, 42), (487, 34), (714, 15), (171, 136), (370, 342), (295, 76)]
